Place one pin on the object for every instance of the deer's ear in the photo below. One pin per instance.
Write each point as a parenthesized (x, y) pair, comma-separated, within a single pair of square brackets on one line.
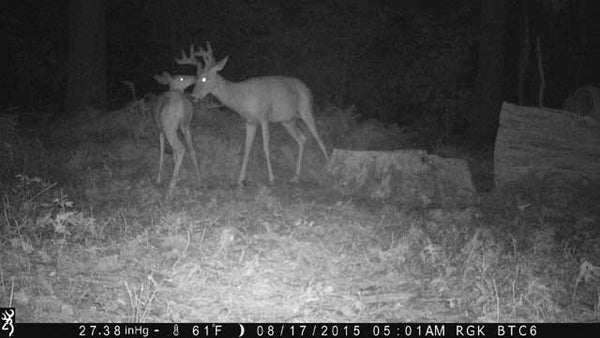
[(165, 78), (161, 79), (219, 66)]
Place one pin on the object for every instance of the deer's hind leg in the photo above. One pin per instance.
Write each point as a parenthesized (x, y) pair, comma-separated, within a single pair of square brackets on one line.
[(188, 139), (297, 135), (178, 153)]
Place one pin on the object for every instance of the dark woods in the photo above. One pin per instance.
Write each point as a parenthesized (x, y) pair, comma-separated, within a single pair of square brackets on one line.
[(447, 64)]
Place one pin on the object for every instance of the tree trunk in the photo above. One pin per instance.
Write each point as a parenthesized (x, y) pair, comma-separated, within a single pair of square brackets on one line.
[(86, 82), (525, 53), (484, 117), (582, 21)]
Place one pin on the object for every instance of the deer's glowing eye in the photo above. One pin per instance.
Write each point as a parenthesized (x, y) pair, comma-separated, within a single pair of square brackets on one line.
[(180, 79), (203, 79)]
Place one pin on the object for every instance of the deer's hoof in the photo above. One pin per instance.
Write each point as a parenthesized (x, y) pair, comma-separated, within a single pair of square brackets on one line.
[(245, 184)]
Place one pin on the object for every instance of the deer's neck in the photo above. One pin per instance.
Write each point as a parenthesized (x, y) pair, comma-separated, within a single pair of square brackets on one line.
[(231, 94)]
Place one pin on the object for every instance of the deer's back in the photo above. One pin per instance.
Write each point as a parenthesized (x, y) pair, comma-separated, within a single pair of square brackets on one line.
[(275, 94), (172, 108)]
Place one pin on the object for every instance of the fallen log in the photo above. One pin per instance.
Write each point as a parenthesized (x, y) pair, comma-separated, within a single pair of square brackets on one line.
[(543, 141)]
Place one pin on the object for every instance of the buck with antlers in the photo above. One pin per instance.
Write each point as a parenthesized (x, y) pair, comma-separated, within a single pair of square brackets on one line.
[(258, 100), (173, 111)]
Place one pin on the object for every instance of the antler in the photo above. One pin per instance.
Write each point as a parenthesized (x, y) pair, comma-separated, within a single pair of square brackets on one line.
[(207, 56), (189, 60)]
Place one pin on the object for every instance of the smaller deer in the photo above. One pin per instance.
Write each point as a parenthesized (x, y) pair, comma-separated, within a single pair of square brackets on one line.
[(258, 100), (173, 111)]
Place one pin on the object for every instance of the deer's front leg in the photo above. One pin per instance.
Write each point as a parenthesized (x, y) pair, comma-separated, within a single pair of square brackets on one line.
[(250, 132), (264, 126)]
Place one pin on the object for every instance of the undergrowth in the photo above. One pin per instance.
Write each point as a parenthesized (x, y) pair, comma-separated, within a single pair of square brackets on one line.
[(108, 247)]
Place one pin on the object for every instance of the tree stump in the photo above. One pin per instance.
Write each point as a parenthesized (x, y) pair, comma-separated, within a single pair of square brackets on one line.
[(403, 176), (542, 141)]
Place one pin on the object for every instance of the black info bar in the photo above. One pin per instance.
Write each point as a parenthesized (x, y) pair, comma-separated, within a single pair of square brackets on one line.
[(268, 330)]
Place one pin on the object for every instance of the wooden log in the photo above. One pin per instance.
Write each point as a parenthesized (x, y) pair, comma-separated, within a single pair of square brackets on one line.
[(542, 141), (404, 176)]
